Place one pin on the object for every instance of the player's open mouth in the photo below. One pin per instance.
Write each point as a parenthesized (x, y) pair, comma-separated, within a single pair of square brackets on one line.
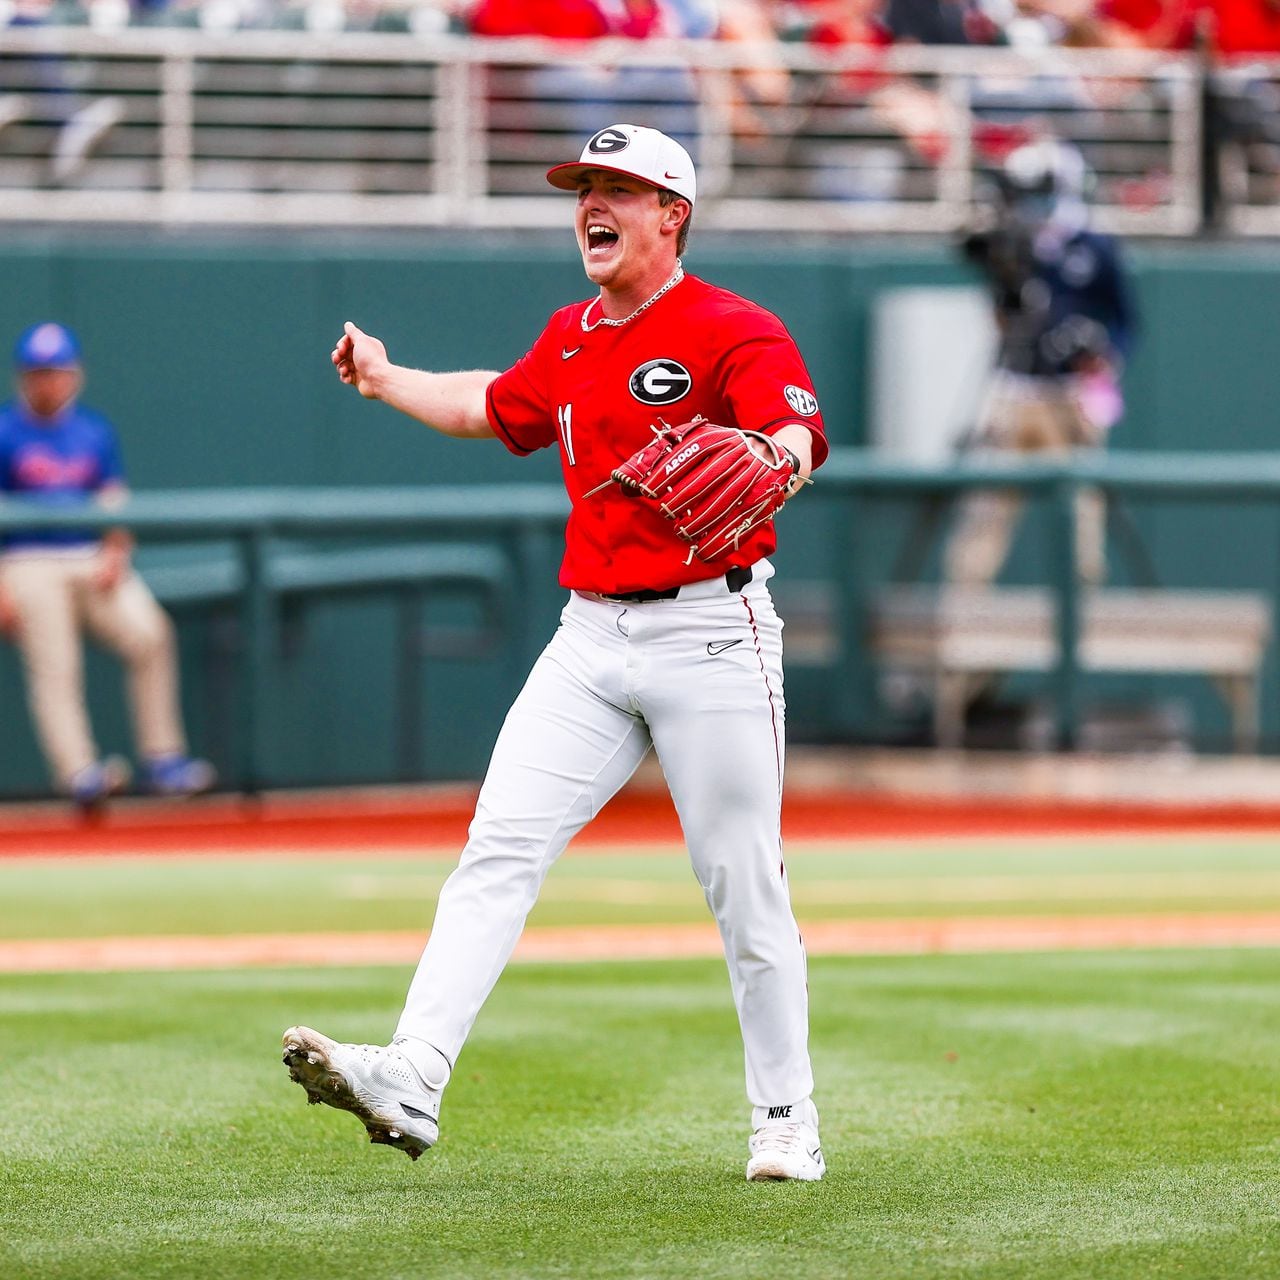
[(600, 239)]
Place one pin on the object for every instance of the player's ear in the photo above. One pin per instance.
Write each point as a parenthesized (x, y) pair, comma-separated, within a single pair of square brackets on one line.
[(677, 214)]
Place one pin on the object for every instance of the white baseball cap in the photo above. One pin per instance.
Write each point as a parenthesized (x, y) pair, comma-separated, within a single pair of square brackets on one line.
[(636, 151)]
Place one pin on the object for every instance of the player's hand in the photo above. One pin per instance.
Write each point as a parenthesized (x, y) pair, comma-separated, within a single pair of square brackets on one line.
[(109, 572), (114, 558), (359, 359)]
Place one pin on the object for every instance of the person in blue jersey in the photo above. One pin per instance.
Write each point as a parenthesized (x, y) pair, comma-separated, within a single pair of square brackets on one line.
[(57, 584), (1066, 320)]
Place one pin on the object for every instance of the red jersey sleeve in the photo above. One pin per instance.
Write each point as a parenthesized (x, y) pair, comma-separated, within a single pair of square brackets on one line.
[(517, 401), (764, 381)]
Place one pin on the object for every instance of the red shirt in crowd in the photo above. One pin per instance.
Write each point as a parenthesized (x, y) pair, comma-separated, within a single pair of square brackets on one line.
[(567, 19), (597, 392), (1233, 28), (1245, 26)]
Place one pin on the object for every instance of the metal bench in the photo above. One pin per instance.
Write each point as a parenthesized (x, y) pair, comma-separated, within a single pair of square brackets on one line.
[(960, 636)]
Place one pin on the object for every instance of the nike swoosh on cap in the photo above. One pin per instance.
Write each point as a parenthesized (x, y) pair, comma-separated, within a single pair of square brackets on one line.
[(676, 176)]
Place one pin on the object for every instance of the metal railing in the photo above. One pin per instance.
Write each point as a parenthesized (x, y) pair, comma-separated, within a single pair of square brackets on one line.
[(529, 520), (1245, 105), (180, 126), (526, 520), (852, 474)]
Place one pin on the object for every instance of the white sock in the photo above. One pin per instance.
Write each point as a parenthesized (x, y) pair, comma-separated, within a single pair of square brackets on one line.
[(802, 1112)]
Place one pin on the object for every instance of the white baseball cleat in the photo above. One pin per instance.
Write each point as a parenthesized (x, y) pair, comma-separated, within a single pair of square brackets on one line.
[(377, 1083), (785, 1145)]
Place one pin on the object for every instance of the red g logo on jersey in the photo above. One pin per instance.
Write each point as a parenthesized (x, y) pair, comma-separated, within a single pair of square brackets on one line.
[(608, 141), (660, 382)]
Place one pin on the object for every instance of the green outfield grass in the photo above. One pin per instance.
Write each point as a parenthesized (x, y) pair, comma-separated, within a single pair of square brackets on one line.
[(1072, 1117), (50, 898)]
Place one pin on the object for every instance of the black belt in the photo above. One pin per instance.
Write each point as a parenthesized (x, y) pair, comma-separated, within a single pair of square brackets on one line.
[(735, 580)]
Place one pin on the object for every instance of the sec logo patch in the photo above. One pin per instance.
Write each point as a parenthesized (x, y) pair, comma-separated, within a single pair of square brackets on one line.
[(805, 403), (660, 382)]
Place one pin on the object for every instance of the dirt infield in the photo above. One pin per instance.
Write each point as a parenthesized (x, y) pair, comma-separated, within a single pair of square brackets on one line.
[(436, 821), (651, 942)]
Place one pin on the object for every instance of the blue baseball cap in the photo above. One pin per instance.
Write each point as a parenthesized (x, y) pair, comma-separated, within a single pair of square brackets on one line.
[(46, 346)]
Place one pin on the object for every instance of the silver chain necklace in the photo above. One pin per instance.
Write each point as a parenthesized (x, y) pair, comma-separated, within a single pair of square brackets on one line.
[(644, 306)]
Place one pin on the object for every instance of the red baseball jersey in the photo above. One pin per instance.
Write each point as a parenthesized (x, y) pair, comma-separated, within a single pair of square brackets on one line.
[(597, 390)]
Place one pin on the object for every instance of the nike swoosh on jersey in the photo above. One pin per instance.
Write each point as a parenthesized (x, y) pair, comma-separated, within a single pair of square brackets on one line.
[(565, 353), (719, 646)]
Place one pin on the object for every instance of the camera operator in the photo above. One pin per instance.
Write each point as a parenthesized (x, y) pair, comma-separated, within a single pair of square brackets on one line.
[(1066, 320)]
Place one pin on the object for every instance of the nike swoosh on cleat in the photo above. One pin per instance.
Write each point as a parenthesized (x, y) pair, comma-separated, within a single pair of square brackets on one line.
[(565, 353), (719, 646)]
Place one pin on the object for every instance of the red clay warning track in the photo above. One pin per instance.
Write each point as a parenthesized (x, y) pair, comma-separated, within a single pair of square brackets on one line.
[(438, 822)]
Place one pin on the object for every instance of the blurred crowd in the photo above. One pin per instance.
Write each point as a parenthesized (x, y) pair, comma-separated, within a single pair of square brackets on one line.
[(1230, 29)]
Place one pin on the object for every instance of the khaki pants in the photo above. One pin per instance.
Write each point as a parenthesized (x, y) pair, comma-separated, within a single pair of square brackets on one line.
[(1025, 419), (55, 598)]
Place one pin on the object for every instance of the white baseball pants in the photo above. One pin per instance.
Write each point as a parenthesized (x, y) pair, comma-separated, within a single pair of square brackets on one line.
[(699, 679), (55, 596)]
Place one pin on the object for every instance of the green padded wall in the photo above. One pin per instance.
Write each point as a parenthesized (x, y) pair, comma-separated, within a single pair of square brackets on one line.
[(211, 353)]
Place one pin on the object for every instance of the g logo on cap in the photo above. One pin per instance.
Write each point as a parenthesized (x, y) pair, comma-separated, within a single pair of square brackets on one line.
[(660, 382), (608, 141)]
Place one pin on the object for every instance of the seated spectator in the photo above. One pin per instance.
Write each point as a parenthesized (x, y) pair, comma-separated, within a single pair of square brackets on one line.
[(940, 22), (567, 19), (56, 583), (571, 95), (1231, 29), (1242, 28), (909, 110), (82, 122)]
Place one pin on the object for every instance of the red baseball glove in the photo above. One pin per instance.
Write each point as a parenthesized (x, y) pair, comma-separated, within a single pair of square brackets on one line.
[(712, 482)]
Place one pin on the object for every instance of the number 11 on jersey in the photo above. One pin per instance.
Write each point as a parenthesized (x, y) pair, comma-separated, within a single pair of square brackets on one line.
[(565, 415)]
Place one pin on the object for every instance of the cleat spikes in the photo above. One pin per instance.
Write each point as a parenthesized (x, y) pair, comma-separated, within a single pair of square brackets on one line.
[(367, 1081)]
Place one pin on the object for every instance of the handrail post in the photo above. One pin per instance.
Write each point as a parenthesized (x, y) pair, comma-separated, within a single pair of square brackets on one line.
[(256, 610), (1065, 577), (854, 693), (535, 551)]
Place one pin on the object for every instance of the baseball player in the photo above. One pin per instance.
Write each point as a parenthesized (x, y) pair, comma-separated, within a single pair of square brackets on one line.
[(658, 648), (54, 582)]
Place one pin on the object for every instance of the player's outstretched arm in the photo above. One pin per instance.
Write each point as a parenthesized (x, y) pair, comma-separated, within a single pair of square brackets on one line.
[(451, 403)]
